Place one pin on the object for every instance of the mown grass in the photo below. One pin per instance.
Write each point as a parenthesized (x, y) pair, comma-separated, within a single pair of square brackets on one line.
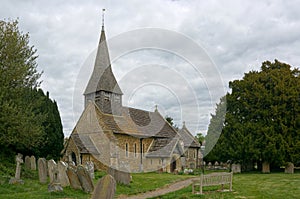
[(258, 186), (142, 182), (254, 185)]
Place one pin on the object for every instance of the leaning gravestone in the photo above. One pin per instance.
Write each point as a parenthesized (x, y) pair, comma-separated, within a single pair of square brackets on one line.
[(85, 179), (27, 162), (105, 188), (120, 176), (17, 178), (73, 178), (32, 163), (55, 185), (62, 170), (51, 167), (90, 168), (289, 168), (42, 167), (236, 168)]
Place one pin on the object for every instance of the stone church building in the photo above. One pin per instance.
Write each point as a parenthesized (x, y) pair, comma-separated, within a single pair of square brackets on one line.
[(125, 138)]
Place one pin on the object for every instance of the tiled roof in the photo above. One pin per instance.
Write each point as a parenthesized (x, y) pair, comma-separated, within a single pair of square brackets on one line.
[(138, 123), (164, 147), (84, 143), (188, 139)]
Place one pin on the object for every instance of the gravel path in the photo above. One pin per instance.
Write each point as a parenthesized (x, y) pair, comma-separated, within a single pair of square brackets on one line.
[(161, 191)]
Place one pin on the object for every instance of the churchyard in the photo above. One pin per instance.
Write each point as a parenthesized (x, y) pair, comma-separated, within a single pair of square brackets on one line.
[(44, 180)]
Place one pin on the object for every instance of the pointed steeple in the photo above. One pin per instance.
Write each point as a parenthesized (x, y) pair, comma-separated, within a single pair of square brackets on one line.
[(103, 87)]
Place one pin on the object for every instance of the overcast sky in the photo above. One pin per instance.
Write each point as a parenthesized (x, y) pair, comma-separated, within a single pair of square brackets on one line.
[(198, 47)]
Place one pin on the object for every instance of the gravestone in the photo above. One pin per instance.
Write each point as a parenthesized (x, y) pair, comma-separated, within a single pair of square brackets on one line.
[(289, 168), (236, 168), (32, 163), (90, 168), (55, 185), (17, 178), (51, 167), (42, 167), (120, 176), (27, 162), (85, 179), (265, 167), (73, 178), (105, 188), (63, 177)]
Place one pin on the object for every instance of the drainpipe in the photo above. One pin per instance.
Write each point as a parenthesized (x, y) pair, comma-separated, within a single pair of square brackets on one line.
[(141, 154)]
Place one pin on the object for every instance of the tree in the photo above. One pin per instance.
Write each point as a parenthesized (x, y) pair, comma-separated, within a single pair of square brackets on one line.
[(28, 119), (19, 127), (170, 121), (200, 137), (214, 131), (262, 118)]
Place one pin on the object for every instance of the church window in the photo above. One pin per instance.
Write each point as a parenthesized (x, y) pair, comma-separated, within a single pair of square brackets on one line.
[(135, 154), (194, 154), (126, 150)]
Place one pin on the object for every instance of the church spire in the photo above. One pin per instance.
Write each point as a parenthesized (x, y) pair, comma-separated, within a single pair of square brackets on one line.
[(102, 79)]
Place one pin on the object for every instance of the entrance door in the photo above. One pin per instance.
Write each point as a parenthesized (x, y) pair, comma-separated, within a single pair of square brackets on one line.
[(173, 165)]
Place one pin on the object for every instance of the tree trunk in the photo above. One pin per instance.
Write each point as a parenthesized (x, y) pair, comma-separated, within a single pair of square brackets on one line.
[(265, 167)]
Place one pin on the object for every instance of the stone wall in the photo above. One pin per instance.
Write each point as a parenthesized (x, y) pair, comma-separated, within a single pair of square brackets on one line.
[(191, 158)]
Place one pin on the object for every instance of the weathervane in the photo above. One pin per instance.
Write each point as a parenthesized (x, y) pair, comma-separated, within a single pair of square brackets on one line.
[(103, 18)]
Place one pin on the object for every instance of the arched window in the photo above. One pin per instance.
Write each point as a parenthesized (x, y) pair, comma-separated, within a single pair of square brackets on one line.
[(135, 149), (126, 150)]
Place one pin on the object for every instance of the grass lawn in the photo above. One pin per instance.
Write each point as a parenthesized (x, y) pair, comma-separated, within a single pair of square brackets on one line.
[(275, 185)]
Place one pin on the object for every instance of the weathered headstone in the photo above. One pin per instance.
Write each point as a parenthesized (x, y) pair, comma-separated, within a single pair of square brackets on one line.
[(32, 163), (62, 170), (42, 167), (55, 185), (85, 179), (266, 167), (105, 188), (17, 178), (51, 167), (73, 178), (236, 168), (90, 168), (27, 162), (289, 168), (120, 176)]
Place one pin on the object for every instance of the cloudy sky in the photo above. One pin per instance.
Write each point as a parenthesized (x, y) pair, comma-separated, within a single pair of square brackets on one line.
[(179, 55)]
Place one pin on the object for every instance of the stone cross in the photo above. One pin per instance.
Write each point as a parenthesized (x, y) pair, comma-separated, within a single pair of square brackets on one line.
[(16, 179), (19, 160)]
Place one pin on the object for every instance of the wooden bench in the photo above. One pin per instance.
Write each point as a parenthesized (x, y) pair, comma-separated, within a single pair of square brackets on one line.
[(219, 178)]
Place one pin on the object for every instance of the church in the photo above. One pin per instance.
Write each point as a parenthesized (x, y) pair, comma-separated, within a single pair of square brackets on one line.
[(125, 138)]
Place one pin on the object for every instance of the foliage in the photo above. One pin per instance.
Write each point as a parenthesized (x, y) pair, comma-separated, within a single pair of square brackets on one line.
[(263, 117), (169, 119), (214, 130), (29, 122), (19, 127), (200, 137)]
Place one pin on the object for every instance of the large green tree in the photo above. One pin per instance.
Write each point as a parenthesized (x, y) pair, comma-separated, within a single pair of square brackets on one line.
[(19, 127), (27, 117), (262, 119)]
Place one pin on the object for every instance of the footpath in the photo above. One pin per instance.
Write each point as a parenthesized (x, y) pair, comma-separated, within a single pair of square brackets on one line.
[(161, 191)]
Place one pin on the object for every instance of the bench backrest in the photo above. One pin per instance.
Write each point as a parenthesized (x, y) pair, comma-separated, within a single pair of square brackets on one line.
[(216, 178)]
